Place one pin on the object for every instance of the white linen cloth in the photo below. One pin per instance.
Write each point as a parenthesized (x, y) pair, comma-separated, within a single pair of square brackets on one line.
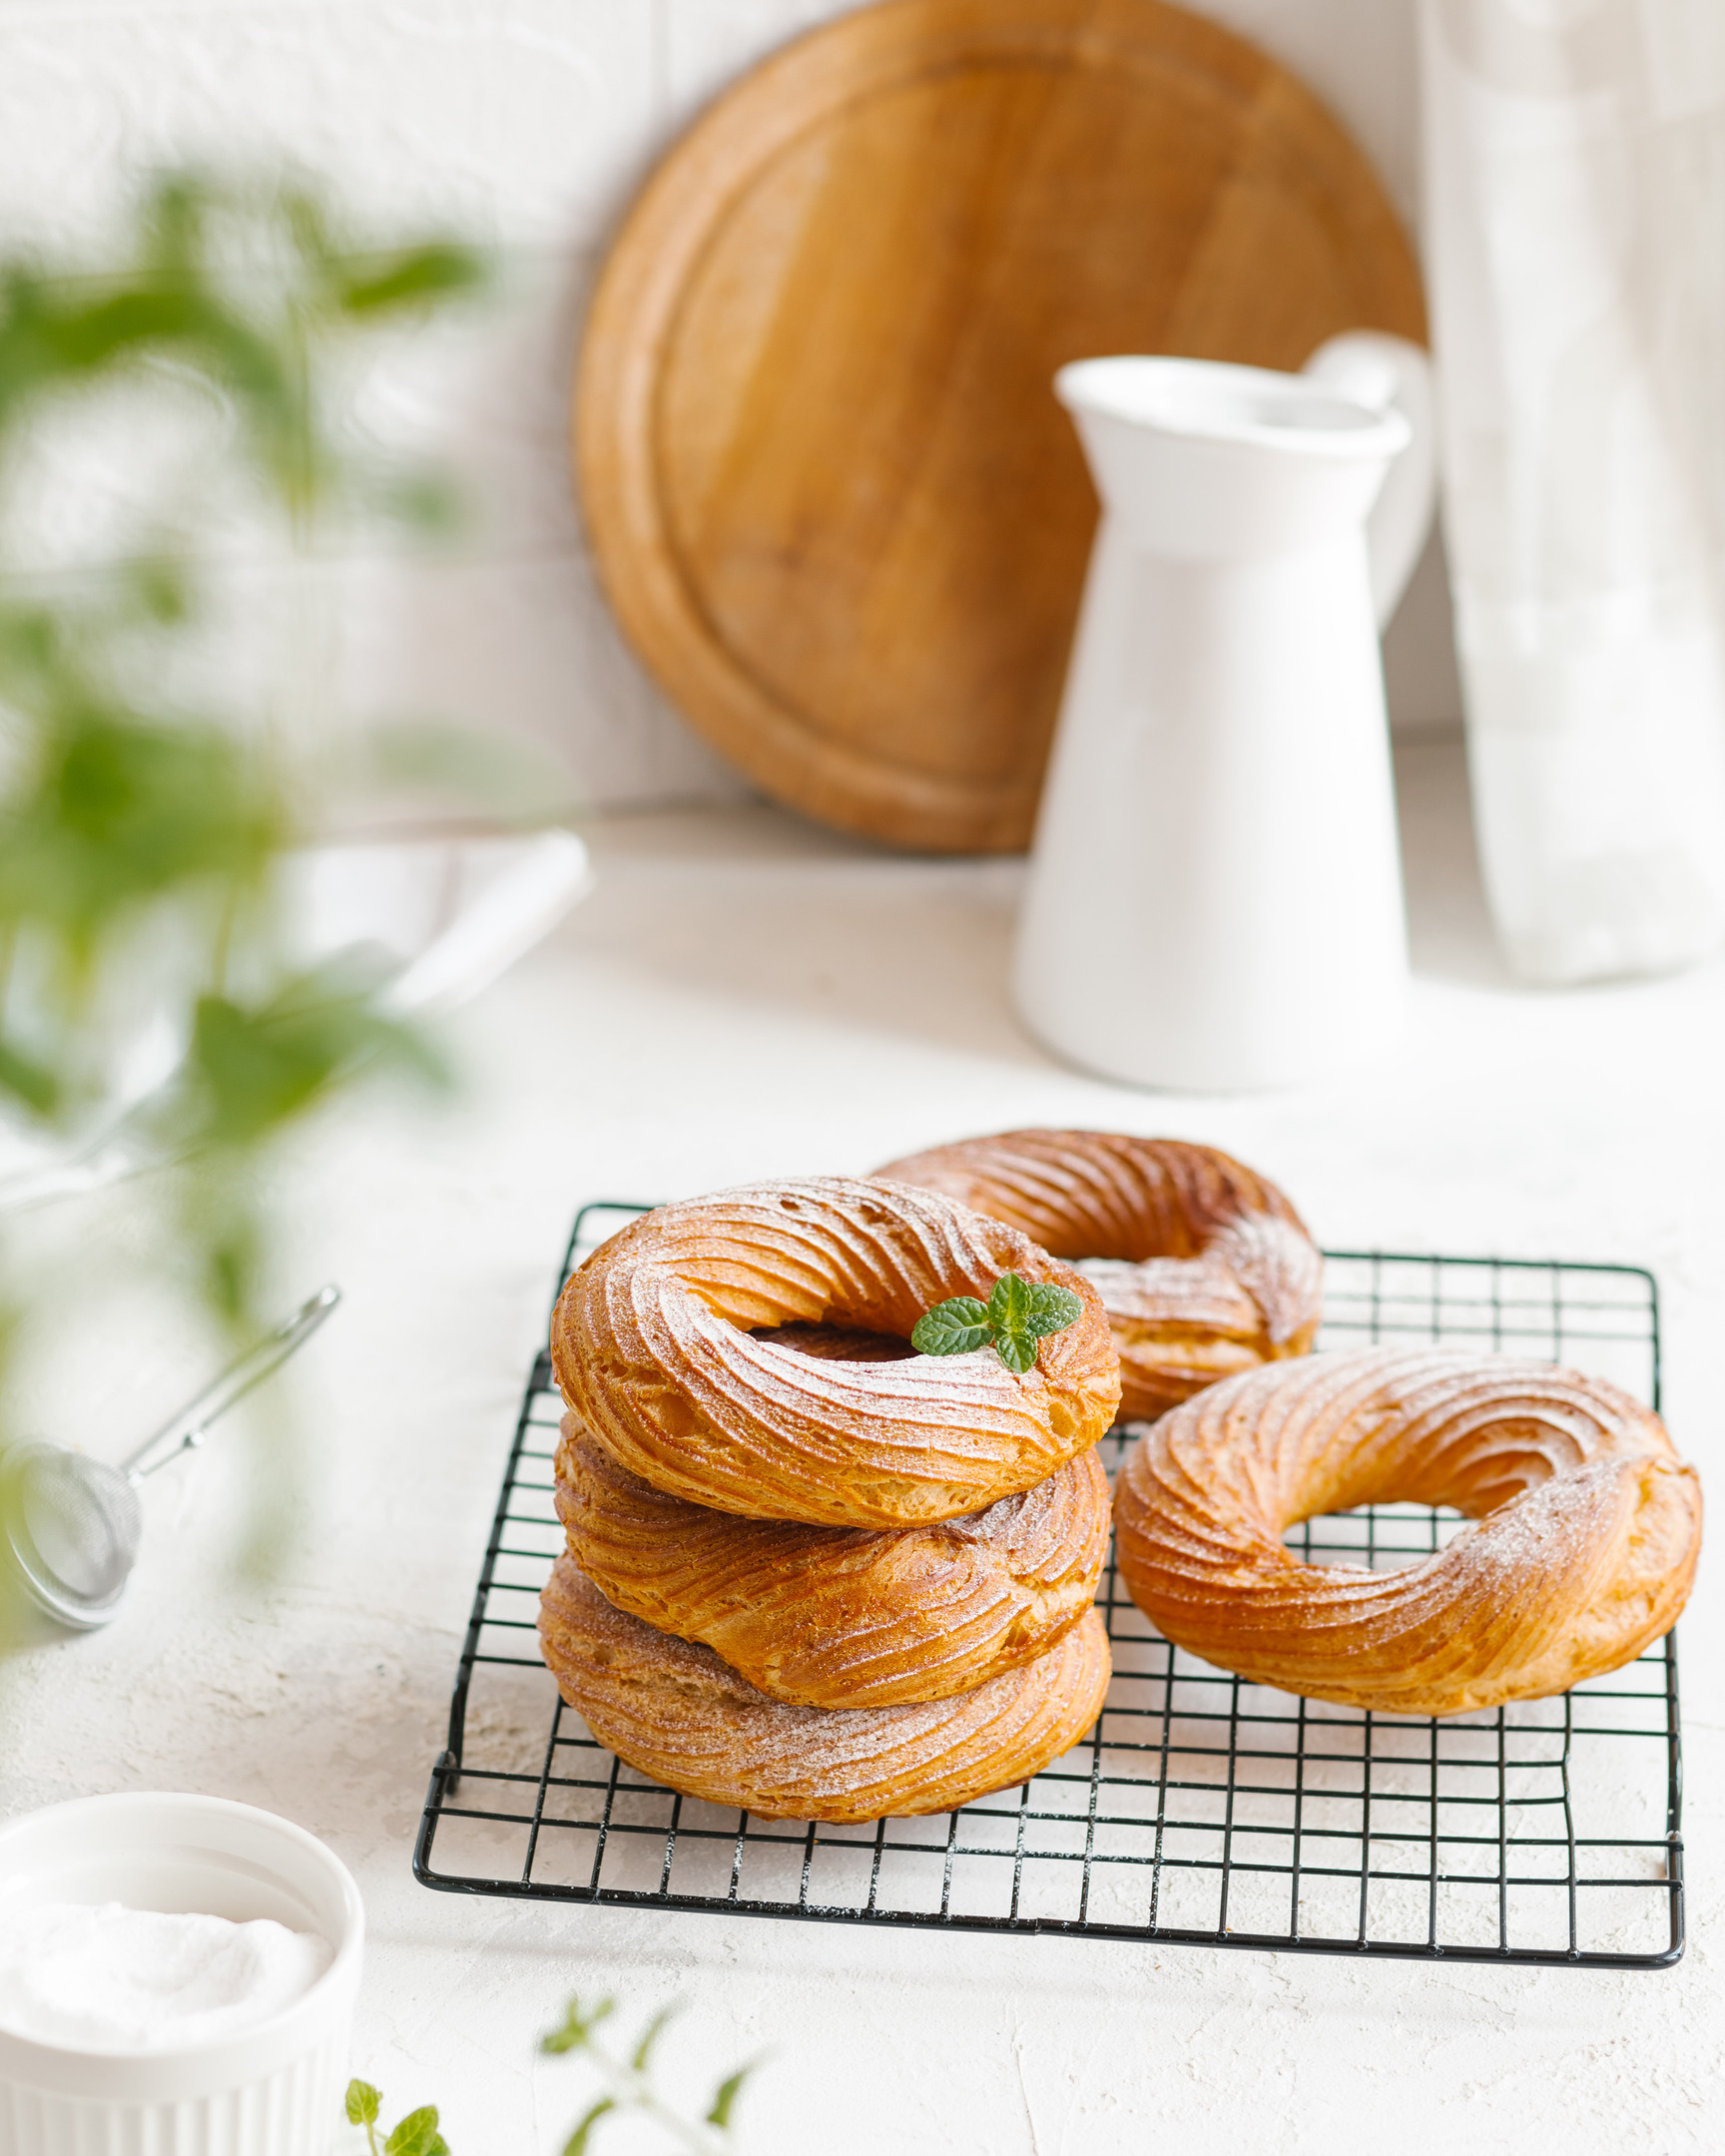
[(1575, 244)]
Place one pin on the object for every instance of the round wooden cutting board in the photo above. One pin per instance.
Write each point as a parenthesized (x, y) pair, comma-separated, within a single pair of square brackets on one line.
[(832, 496)]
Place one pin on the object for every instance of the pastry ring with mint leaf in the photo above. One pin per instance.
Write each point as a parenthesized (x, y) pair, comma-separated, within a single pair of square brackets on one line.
[(1015, 1316), (712, 1349)]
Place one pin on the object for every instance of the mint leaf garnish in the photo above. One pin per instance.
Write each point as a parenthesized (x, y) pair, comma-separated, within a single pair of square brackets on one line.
[(1017, 1350), (1052, 1308), (1016, 1315), (1010, 1304), (951, 1327)]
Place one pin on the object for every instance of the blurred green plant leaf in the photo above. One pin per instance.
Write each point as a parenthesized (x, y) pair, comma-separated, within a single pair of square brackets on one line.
[(628, 2087), (128, 828), (725, 2096), (576, 2145), (363, 2103), (252, 1070), (39, 1089), (642, 2055), (575, 2030), (417, 2135), (116, 814), (408, 279)]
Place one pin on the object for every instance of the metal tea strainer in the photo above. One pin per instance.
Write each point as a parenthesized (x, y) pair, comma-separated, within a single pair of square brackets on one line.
[(72, 1524)]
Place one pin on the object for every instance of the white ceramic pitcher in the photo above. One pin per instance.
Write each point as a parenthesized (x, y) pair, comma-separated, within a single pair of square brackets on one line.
[(1215, 895)]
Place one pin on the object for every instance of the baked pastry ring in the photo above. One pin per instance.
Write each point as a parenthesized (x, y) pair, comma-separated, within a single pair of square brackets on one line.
[(842, 1616), (1586, 1528), (658, 1345), (1203, 1268), (679, 1714)]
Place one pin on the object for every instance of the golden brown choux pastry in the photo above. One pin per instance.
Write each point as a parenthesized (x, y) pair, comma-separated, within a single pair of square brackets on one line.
[(1587, 1527), (842, 1616), (662, 1342), (679, 1714), (1204, 1267)]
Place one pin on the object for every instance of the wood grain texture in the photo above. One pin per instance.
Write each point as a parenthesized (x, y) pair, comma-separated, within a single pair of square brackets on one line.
[(832, 496)]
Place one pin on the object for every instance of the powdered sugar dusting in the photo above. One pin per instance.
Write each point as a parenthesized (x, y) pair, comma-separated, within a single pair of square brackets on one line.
[(1556, 1465), (665, 1340), (841, 1616), (679, 1714)]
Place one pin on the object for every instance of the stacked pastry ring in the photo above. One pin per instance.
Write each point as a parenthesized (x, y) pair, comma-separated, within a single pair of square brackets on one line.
[(1203, 1265), (812, 1572)]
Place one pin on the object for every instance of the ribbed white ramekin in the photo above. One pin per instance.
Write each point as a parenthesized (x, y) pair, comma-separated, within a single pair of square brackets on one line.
[(272, 2090)]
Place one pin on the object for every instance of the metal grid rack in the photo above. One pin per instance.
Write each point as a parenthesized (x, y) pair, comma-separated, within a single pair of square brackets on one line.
[(1201, 1809)]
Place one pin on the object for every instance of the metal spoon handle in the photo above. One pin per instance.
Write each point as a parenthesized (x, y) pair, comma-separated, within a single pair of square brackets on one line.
[(186, 1429)]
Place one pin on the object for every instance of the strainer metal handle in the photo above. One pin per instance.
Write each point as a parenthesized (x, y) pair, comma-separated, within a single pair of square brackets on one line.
[(185, 1430)]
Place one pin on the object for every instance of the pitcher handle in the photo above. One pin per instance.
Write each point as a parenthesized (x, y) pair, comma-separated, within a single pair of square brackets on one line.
[(1382, 371)]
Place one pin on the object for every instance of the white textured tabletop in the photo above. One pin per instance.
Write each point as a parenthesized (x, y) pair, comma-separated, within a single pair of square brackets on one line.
[(744, 997)]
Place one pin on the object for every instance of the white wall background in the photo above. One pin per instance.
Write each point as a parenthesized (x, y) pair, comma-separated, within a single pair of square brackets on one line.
[(527, 123)]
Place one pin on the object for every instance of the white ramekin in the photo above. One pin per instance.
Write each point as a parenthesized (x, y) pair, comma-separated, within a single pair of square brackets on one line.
[(272, 2090)]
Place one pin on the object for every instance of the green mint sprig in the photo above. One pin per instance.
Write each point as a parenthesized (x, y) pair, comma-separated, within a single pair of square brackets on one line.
[(628, 2084), (417, 2135), (1015, 1316)]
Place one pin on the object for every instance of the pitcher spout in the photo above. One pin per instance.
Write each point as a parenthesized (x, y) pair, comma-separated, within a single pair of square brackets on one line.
[(1199, 460)]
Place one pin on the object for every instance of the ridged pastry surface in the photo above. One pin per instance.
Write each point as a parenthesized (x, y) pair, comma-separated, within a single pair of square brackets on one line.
[(842, 1616), (662, 1342), (1584, 1527), (1204, 1267), (678, 1713)]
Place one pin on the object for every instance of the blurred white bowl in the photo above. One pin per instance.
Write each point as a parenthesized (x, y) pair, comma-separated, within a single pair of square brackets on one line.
[(446, 915), (272, 2090), (450, 915)]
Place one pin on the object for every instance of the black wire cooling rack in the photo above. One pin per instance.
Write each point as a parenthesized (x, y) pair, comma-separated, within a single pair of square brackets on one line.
[(1201, 1809)]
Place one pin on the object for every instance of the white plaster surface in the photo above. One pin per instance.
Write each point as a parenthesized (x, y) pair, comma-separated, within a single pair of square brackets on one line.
[(743, 996), (528, 124)]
